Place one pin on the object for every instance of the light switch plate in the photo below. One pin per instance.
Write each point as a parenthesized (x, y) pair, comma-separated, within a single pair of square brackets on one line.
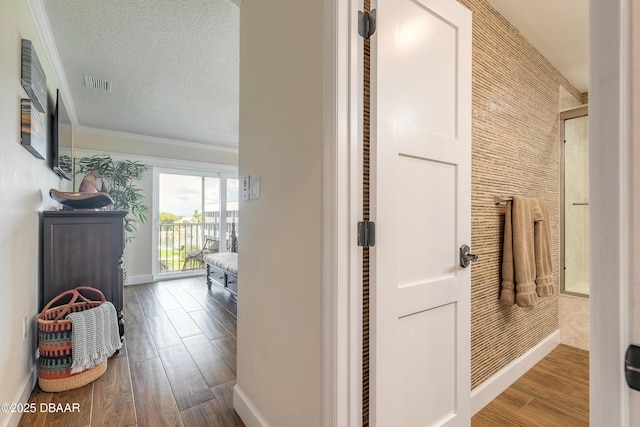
[(255, 188), (245, 187)]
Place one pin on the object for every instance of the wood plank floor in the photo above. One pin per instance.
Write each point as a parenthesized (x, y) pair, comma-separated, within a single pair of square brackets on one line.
[(177, 368), (555, 392)]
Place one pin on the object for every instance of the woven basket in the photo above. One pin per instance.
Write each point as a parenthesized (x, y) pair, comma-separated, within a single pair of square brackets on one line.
[(73, 381), (54, 343)]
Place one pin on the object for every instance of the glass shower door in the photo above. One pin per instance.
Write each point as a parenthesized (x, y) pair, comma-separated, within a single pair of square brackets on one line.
[(576, 206)]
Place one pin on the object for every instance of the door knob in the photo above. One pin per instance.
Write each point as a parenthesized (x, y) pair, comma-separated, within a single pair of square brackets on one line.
[(466, 257)]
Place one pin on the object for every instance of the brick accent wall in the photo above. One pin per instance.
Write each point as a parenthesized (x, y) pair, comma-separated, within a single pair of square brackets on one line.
[(515, 151)]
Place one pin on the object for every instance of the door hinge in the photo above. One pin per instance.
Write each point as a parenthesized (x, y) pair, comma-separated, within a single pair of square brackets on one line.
[(366, 234), (366, 23)]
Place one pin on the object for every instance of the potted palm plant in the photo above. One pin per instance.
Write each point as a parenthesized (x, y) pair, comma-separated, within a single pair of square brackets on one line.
[(119, 181)]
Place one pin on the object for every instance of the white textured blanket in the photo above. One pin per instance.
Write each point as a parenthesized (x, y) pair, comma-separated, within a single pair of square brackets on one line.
[(95, 336), (227, 261)]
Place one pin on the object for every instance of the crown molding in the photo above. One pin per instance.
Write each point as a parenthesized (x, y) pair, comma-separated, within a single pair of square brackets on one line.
[(162, 162), (156, 140), (39, 14)]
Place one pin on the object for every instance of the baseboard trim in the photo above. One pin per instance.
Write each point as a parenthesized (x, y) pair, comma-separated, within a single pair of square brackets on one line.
[(246, 410), (139, 279), (499, 382), (25, 393)]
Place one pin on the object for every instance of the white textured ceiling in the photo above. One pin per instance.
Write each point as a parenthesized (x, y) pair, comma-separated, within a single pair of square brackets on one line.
[(559, 29), (173, 65)]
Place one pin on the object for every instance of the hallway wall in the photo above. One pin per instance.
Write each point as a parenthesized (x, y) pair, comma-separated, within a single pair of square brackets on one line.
[(280, 357), (24, 192), (515, 151)]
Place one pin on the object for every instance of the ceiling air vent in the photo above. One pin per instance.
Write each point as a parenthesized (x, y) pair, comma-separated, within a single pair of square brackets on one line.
[(96, 83)]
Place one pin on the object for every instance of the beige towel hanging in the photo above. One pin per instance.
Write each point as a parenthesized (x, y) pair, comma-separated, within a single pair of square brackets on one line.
[(526, 258), (507, 294), (544, 266)]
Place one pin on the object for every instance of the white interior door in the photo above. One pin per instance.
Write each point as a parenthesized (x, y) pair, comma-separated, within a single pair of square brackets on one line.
[(614, 99), (421, 202)]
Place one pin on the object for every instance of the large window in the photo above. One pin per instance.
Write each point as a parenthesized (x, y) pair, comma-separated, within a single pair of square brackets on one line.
[(194, 210)]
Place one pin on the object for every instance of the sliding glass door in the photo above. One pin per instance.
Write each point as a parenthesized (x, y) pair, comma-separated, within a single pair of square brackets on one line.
[(232, 216), (194, 212)]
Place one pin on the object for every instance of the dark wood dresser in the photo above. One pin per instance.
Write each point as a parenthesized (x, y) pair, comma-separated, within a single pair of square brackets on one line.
[(83, 248)]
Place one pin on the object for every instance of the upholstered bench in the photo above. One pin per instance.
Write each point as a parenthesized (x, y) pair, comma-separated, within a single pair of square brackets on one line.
[(223, 269)]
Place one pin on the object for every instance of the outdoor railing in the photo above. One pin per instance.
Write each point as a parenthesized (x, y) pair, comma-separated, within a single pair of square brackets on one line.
[(177, 239)]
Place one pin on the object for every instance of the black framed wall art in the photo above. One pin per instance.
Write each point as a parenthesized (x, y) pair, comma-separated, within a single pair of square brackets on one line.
[(33, 78)]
